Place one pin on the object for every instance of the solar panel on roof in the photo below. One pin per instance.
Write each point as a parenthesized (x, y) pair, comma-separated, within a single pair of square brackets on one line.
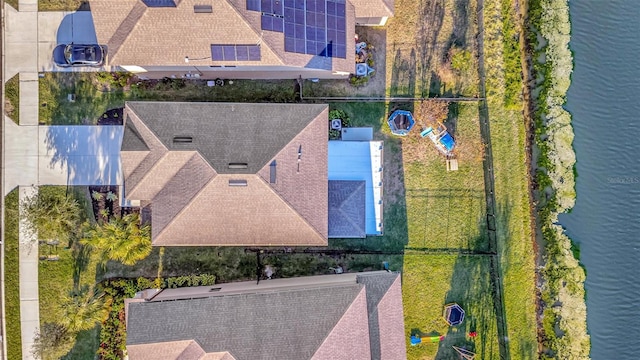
[(253, 5), (238, 52), (313, 27), (159, 3)]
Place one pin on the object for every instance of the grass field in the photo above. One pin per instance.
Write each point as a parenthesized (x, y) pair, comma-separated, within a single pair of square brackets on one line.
[(435, 280), (445, 210), (12, 276), (515, 243)]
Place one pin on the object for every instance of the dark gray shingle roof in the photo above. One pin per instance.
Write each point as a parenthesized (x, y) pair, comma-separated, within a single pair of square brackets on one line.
[(131, 140), (234, 133), (269, 325), (377, 286), (346, 209)]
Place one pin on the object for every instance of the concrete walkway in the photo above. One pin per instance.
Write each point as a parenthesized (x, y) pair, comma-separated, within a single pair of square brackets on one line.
[(47, 155), (21, 49)]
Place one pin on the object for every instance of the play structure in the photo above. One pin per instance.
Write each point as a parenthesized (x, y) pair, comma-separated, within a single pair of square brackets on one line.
[(416, 339), (453, 314), (464, 353), (400, 122), (441, 138)]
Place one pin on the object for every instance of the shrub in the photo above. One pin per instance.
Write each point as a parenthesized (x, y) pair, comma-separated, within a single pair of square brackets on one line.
[(358, 81), (117, 79), (460, 59), (113, 335)]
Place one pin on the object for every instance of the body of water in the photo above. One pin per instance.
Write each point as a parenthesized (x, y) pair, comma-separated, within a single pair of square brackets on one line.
[(604, 100)]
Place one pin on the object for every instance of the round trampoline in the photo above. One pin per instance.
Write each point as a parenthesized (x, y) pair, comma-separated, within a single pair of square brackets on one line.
[(453, 314)]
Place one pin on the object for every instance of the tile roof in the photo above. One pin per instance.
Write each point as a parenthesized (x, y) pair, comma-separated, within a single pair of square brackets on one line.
[(347, 209), (317, 317), (188, 181), (373, 8), (163, 36)]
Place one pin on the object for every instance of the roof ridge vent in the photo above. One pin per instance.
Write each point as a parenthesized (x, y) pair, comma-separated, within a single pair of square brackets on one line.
[(238, 165), (237, 182), (202, 9)]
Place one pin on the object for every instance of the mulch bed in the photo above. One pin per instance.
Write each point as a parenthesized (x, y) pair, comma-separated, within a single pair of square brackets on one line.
[(111, 117), (113, 207)]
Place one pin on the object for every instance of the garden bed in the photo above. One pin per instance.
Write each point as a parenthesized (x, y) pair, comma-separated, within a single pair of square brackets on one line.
[(106, 204)]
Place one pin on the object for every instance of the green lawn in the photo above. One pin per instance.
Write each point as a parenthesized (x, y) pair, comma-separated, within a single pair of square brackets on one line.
[(12, 96), (62, 5), (429, 282), (56, 279), (12, 276), (446, 209), (13, 3), (515, 242)]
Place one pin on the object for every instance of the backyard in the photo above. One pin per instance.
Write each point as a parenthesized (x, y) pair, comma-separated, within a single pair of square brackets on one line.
[(437, 218)]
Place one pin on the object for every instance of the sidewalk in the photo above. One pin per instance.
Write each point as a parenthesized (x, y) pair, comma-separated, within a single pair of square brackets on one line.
[(21, 50)]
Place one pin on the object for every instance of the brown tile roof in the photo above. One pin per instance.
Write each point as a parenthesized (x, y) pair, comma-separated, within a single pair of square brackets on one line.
[(192, 202), (373, 8), (164, 36)]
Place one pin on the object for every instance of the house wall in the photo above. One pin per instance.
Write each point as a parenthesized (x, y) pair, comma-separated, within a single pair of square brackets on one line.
[(195, 71)]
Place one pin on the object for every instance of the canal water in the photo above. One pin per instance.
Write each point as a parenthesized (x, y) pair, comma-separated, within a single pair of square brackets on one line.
[(604, 100)]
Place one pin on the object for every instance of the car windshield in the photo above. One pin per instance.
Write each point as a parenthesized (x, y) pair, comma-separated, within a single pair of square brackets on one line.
[(74, 53)]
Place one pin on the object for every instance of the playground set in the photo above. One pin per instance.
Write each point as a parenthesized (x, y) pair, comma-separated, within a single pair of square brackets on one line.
[(453, 315)]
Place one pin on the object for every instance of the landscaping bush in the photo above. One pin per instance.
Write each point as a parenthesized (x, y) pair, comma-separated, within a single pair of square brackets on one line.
[(113, 332), (460, 59), (358, 81), (117, 79)]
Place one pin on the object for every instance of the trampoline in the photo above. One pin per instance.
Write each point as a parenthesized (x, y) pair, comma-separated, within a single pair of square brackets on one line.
[(400, 122), (453, 314)]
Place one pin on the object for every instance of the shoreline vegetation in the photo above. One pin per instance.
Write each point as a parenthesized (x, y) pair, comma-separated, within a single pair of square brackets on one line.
[(563, 329)]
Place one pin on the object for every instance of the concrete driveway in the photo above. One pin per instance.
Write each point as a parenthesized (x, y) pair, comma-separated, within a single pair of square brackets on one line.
[(58, 27), (62, 155)]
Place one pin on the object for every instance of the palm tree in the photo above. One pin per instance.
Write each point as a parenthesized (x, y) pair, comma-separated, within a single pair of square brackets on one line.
[(82, 310), (123, 240), (52, 214)]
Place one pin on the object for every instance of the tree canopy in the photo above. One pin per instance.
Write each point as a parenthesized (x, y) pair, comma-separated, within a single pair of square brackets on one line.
[(121, 239)]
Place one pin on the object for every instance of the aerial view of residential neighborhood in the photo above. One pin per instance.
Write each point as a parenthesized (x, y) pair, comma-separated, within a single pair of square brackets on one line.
[(288, 179)]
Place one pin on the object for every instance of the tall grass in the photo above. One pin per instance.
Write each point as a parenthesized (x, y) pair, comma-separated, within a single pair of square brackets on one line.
[(564, 327), (515, 241)]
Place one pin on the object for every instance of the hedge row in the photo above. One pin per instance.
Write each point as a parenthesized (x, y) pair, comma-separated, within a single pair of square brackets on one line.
[(113, 336)]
